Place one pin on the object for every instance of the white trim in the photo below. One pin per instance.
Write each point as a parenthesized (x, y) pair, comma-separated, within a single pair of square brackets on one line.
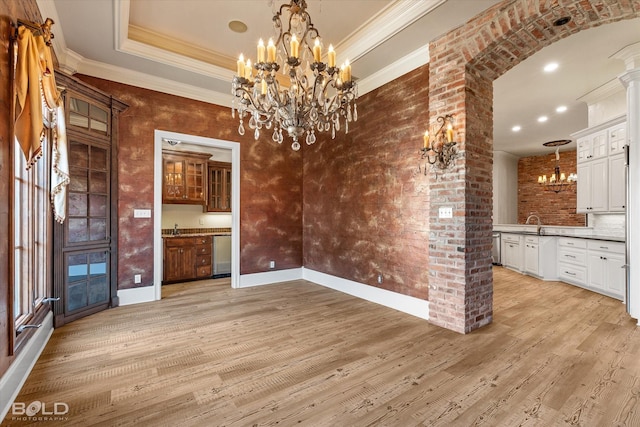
[(387, 23), (391, 72), (136, 295), (270, 277), (15, 377), (159, 135), (404, 303), (147, 81)]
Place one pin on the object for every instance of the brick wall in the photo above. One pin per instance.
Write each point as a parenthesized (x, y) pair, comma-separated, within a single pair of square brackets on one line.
[(552, 208), (464, 63)]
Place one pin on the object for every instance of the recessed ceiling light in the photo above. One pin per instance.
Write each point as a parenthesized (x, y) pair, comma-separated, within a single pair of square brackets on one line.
[(237, 26), (542, 119), (561, 109), (516, 128), (550, 67)]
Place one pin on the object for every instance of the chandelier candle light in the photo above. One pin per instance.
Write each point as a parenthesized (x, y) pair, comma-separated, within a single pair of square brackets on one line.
[(440, 150), (558, 181), (319, 95)]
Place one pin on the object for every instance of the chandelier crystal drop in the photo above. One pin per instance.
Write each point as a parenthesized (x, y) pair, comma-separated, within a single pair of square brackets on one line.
[(308, 96)]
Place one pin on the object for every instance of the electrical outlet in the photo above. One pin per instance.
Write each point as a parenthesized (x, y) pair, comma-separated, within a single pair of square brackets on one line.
[(137, 278), (272, 264), (446, 212), (201, 221), (379, 278)]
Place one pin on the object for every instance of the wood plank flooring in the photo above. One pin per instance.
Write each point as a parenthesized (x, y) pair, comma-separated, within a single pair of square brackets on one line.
[(299, 354)]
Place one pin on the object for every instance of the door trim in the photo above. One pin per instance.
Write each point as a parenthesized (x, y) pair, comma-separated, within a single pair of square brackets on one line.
[(157, 205)]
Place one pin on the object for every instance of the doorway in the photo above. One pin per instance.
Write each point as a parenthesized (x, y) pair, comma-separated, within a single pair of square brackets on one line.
[(234, 147)]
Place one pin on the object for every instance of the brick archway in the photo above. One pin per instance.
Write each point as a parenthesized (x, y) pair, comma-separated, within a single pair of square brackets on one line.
[(464, 63)]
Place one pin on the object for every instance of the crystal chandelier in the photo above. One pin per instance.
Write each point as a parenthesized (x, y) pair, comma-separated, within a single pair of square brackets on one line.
[(558, 181), (307, 96)]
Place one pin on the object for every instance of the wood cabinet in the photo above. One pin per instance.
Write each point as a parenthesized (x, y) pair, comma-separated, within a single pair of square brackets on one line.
[(187, 258), (219, 187), (184, 177)]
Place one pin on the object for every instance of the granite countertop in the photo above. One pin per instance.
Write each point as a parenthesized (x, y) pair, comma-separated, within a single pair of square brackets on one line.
[(196, 234), (556, 231)]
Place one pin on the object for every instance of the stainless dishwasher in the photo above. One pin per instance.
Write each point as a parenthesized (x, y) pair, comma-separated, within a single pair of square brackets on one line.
[(221, 256), (496, 254)]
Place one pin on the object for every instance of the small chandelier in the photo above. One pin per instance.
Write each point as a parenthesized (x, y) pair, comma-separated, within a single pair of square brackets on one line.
[(317, 96), (558, 181), (441, 149)]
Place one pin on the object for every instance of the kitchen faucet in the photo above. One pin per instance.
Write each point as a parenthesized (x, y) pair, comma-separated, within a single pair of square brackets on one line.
[(538, 220)]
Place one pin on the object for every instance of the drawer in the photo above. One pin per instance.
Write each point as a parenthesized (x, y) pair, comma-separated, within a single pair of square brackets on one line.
[(203, 249), (510, 238), (203, 260), (572, 273), (572, 243), (572, 256), (531, 239), (605, 246), (203, 240), (204, 271)]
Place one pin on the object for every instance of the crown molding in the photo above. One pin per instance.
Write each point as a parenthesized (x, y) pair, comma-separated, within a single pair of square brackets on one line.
[(146, 81), (384, 25), (602, 92)]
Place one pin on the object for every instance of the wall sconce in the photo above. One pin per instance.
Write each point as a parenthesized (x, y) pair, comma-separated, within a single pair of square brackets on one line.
[(441, 149)]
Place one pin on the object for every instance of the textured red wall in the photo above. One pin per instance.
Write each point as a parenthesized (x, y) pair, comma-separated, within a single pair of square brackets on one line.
[(365, 202), (552, 208), (270, 181)]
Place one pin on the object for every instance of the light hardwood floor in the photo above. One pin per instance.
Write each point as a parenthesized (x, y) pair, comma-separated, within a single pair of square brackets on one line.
[(299, 354)]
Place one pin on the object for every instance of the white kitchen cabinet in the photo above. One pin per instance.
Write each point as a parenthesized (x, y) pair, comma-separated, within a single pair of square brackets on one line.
[(593, 186), (617, 183), (617, 138), (593, 146), (572, 260), (600, 167), (512, 251), (531, 255), (605, 264)]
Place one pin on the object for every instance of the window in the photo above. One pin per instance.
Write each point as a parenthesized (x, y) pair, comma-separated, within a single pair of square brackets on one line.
[(32, 225)]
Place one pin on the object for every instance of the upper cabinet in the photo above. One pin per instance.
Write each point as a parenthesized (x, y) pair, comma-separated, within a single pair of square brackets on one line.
[(219, 193), (601, 184), (184, 177)]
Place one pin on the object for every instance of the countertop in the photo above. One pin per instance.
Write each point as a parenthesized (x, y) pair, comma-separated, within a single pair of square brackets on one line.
[(170, 236), (557, 231)]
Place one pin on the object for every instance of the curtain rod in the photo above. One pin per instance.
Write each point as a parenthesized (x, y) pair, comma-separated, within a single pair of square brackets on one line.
[(43, 30)]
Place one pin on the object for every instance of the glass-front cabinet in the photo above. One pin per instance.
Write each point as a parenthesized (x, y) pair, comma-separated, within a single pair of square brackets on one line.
[(184, 177), (219, 187)]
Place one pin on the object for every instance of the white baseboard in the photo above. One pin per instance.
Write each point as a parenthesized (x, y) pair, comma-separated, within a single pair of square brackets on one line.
[(404, 303), (136, 295), (13, 380), (269, 277)]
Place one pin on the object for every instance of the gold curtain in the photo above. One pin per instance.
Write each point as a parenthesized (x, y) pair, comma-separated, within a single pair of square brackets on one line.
[(35, 86)]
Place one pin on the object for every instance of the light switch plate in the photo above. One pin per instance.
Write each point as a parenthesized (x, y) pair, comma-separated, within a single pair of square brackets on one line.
[(446, 212), (142, 213)]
